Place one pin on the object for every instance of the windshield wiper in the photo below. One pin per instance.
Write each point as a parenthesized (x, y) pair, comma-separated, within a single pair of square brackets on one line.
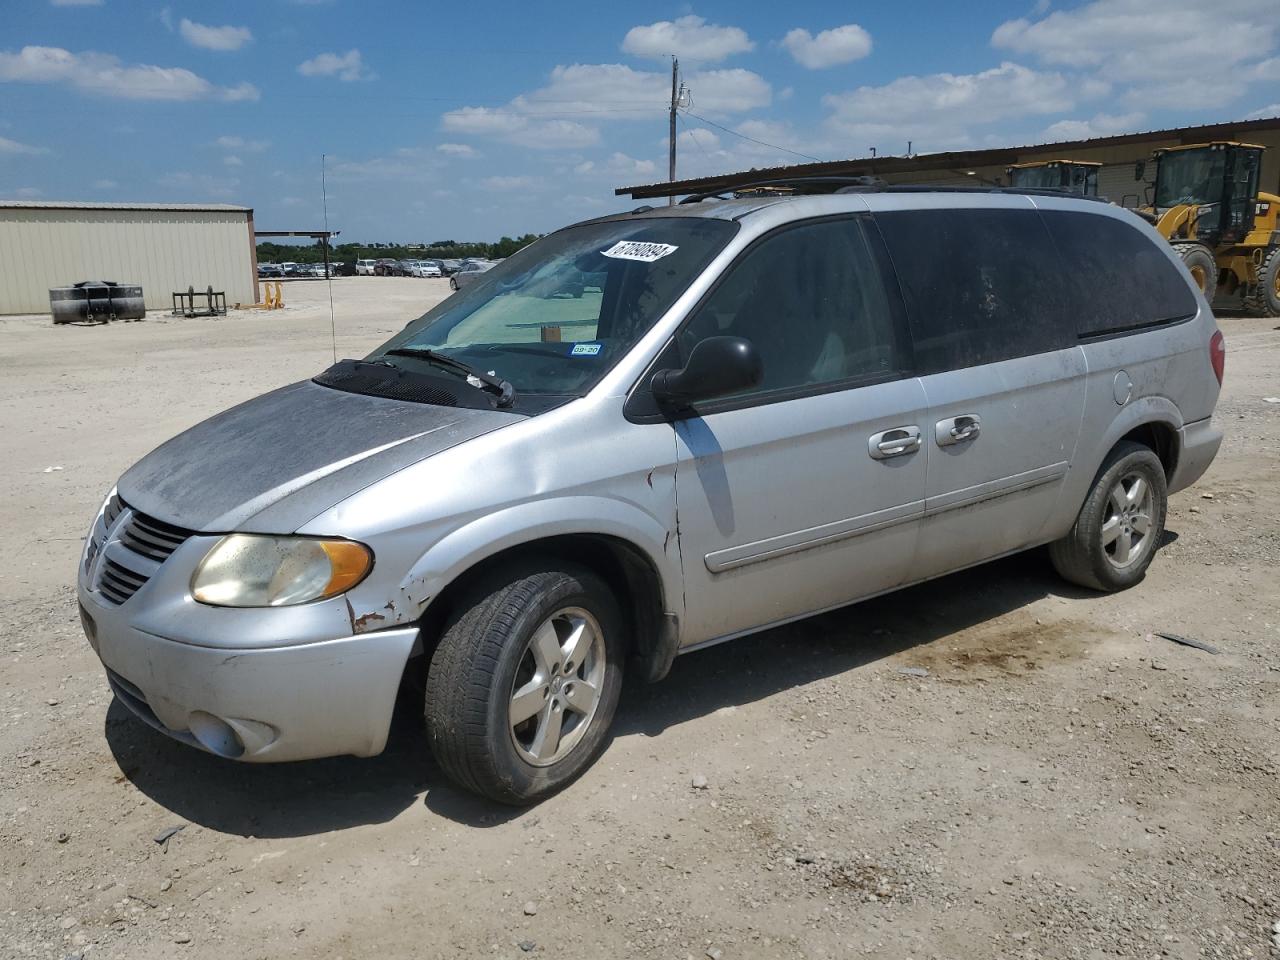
[(505, 392)]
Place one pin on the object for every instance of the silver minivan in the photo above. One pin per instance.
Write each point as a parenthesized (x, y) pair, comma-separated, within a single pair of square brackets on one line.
[(760, 409)]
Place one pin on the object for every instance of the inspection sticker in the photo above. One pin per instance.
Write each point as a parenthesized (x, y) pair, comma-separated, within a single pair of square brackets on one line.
[(636, 250), (584, 350)]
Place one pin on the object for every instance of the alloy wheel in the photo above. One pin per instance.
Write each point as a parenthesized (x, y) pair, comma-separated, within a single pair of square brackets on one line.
[(557, 686), (1126, 526)]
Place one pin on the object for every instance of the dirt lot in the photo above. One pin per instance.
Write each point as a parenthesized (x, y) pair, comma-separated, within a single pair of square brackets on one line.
[(1059, 784)]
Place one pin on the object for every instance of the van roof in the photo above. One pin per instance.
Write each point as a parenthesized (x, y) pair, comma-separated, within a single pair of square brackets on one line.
[(877, 198)]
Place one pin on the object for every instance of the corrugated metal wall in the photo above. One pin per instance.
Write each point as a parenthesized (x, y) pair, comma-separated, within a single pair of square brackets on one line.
[(163, 250)]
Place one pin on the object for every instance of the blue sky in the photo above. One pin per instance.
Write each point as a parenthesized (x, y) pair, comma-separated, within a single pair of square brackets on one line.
[(472, 121)]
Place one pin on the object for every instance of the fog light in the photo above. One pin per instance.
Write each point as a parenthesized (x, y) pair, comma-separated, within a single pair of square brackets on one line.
[(90, 628), (215, 734)]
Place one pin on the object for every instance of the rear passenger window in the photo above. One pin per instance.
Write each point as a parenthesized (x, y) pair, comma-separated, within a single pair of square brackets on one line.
[(1120, 280), (980, 285), (813, 300)]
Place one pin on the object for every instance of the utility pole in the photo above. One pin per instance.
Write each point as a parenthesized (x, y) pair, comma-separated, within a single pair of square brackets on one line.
[(671, 134)]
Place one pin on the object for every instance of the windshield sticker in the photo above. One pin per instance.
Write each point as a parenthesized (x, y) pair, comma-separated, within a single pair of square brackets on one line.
[(584, 350), (636, 250)]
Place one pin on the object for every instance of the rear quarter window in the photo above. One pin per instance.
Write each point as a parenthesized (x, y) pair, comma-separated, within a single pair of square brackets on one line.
[(1120, 279), (981, 285)]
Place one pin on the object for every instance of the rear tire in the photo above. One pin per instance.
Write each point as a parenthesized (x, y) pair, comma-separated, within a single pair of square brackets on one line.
[(1264, 301), (1201, 265), (525, 680), (1118, 530)]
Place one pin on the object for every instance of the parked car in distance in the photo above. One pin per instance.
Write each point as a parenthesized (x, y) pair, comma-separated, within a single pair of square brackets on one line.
[(773, 407), (425, 268), (386, 267), (364, 268), (469, 273), (450, 267), (270, 271)]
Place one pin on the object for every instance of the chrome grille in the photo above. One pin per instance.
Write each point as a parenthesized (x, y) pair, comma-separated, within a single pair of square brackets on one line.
[(152, 541)]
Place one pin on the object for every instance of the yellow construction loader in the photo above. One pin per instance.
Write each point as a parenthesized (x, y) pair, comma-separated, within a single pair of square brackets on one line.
[(1205, 201), (1069, 176)]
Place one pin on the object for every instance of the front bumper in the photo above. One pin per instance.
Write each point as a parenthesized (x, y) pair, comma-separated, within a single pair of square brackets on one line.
[(318, 699)]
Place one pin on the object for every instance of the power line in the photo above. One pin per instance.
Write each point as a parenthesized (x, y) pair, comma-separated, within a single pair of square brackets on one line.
[(762, 143), (693, 136)]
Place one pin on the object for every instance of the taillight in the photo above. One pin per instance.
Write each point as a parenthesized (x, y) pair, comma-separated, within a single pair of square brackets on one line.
[(1218, 354)]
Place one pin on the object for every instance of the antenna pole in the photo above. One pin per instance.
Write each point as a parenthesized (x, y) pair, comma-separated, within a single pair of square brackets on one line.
[(324, 199), (671, 132)]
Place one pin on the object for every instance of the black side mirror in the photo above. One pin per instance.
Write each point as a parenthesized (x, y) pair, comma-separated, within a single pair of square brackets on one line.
[(1139, 169), (717, 366)]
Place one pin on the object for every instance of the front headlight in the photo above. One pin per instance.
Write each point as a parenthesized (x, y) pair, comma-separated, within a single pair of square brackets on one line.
[(248, 570)]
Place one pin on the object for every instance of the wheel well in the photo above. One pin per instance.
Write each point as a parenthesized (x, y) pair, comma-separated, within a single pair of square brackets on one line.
[(1162, 440), (624, 567)]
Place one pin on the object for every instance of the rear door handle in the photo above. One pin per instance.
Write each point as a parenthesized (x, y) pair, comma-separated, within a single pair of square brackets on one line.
[(894, 443), (957, 429)]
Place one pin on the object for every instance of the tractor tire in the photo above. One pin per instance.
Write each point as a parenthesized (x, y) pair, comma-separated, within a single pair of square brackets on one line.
[(1264, 301), (1199, 262)]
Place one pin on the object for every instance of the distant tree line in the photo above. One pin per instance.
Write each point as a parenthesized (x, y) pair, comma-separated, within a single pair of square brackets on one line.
[(348, 252)]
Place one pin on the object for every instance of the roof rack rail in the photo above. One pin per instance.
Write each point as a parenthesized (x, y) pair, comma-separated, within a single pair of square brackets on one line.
[(827, 185)]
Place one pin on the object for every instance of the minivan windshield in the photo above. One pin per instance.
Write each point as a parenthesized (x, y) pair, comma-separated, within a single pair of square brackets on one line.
[(553, 318)]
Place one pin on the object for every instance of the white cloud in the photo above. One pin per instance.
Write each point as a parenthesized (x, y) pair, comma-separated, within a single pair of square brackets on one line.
[(404, 163), (697, 139), (614, 91), (347, 66), (506, 124), (105, 75), (1101, 125), (231, 160), (690, 36), (829, 48), (214, 38), (241, 144), (12, 148), (510, 183), (456, 150), (941, 110), (28, 193), (1153, 54), (617, 167), (105, 185), (1265, 113)]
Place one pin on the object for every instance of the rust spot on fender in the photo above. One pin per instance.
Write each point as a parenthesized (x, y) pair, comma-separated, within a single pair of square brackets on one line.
[(364, 622)]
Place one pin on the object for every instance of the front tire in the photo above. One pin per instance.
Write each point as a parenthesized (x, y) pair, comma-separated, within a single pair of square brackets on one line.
[(1118, 530), (524, 682), (1201, 265), (1264, 301)]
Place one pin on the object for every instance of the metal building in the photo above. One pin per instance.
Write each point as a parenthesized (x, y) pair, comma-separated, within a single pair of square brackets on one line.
[(1117, 154), (163, 246)]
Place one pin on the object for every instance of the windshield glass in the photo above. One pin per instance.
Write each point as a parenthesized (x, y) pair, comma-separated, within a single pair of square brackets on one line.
[(1190, 176), (553, 318), (1037, 178)]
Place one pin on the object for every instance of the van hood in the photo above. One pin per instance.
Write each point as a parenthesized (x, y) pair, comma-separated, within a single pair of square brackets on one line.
[(272, 464)]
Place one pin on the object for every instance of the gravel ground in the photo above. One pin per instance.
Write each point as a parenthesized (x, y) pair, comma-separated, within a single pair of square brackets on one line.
[(992, 765)]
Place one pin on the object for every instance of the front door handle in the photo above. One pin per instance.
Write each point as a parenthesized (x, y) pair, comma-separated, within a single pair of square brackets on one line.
[(959, 429), (894, 443)]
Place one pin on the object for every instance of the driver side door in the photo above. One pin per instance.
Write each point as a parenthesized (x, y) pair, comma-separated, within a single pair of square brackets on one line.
[(805, 492)]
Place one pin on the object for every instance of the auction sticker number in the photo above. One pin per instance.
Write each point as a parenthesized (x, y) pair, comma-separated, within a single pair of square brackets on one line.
[(637, 250)]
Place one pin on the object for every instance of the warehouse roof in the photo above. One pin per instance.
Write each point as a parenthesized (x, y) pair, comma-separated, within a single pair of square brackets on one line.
[(996, 156), (77, 205)]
